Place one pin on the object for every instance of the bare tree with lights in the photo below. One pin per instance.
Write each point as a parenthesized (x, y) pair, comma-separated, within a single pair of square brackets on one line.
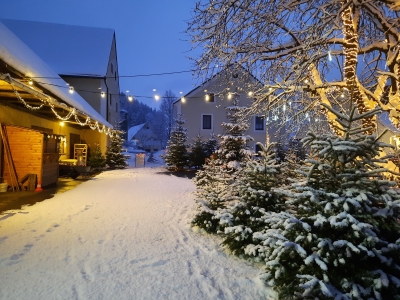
[(306, 53)]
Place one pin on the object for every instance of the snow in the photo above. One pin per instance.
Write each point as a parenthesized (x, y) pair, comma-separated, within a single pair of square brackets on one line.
[(91, 46), (19, 56), (125, 234)]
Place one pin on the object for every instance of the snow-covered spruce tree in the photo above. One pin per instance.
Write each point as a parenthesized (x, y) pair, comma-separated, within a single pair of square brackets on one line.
[(114, 158), (176, 155), (96, 159), (197, 155), (256, 199), (343, 241), (210, 146), (216, 183), (232, 152)]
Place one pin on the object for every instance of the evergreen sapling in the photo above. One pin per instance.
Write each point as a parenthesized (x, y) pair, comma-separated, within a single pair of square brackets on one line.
[(176, 155), (114, 158), (96, 159)]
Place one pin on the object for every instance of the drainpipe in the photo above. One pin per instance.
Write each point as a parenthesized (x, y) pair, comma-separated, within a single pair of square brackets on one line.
[(105, 81)]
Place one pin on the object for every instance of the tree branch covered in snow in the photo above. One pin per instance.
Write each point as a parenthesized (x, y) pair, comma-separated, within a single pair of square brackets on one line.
[(305, 53)]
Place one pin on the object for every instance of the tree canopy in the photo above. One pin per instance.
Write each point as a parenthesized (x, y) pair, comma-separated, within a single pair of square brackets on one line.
[(305, 52)]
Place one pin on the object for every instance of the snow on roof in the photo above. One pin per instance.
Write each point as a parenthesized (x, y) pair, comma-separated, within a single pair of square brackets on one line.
[(68, 49), (133, 130), (18, 55)]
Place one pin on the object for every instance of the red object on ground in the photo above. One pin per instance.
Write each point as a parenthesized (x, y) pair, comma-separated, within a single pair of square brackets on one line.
[(39, 187)]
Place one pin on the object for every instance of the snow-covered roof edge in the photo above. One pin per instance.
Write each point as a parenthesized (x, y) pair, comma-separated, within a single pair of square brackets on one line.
[(133, 130), (18, 55)]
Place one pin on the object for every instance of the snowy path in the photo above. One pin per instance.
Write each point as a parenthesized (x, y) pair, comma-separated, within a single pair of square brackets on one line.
[(123, 235)]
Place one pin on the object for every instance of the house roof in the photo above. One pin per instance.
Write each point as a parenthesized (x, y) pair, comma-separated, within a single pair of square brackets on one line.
[(214, 76), (68, 49), (18, 55), (133, 130)]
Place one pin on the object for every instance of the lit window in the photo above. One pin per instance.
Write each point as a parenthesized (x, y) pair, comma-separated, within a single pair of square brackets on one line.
[(259, 123), (210, 97), (207, 121)]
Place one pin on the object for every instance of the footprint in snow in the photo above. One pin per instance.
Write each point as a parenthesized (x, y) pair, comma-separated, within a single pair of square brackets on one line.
[(53, 226)]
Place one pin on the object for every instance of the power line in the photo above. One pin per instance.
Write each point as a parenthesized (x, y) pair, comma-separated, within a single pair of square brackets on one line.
[(120, 76)]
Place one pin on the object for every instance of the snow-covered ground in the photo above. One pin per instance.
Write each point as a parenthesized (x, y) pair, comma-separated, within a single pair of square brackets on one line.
[(124, 234)]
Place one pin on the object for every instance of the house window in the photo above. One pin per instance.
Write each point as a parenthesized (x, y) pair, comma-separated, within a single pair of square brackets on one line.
[(259, 123), (207, 122), (210, 97)]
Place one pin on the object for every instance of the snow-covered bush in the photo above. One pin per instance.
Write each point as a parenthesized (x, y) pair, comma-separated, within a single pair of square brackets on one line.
[(343, 241)]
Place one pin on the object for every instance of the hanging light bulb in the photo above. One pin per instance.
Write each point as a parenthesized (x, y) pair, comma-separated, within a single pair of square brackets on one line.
[(157, 97), (30, 82), (284, 107), (229, 96), (62, 123), (71, 89), (342, 95), (183, 99), (130, 98), (250, 94), (103, 94), (207, 97)]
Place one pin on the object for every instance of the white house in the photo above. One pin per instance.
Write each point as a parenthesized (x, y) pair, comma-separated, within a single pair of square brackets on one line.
[(142, 136), (204, 108)]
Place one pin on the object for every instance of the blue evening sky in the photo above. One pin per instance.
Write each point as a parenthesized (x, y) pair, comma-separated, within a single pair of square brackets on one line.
[(150, 36)]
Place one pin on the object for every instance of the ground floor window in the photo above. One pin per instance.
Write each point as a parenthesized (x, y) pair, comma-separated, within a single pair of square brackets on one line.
[(207, 122)]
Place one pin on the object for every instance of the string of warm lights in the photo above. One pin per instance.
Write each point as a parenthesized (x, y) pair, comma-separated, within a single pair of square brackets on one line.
[(72, 112), (350, 49)]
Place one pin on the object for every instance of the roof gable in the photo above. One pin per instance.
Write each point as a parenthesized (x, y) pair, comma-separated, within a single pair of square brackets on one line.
[(216, 77), (68, 49)]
